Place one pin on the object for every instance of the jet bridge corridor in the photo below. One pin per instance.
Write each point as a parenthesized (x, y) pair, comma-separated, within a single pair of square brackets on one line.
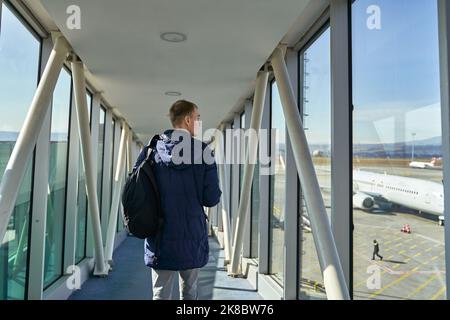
[(329, 126)]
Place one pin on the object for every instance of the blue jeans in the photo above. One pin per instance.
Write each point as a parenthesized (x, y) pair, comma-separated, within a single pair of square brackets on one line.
[(163, 283)]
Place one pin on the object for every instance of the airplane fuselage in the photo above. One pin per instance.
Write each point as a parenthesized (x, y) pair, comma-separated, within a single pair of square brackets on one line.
[(422, 195)]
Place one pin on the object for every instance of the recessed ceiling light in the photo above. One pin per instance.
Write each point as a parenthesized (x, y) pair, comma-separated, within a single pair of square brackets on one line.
[(172, 93), (173, 36)]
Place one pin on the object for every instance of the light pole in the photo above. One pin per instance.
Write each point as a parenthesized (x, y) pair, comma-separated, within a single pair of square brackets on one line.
[(413, 142)]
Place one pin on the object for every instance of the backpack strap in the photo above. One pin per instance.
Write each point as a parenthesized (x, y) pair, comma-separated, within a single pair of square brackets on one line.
[(150, 147), (145, 154), (152, 144)]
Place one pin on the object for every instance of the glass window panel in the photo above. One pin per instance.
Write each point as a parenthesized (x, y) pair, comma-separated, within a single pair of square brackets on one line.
[(100, 155), (243, 150), (112, 156), (80, 249), (255, 213), (315, 60), (232, 155), (396, 131), (56, 203), (119, 225), (19, 65), (112, 150), (277, 188), (120, 222)]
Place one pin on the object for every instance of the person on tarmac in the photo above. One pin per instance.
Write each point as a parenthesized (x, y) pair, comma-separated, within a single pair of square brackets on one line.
[(376, 250)]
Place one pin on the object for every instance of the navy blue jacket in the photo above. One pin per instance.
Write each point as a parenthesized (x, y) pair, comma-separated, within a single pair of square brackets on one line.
[(185, 188)]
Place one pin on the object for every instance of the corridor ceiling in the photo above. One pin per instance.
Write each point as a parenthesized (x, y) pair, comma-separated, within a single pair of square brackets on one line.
[(227, 43)]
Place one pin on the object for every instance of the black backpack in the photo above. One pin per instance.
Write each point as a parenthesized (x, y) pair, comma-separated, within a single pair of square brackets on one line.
[(140, 198)]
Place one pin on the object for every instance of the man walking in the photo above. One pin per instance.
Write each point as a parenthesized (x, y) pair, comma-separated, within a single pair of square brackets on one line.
[(376, 250), (186, 184)]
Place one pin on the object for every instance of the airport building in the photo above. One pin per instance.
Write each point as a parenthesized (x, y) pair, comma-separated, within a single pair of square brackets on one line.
[(350, 101)]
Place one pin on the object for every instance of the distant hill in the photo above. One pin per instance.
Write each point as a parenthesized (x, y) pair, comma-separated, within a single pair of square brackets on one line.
[(427, 148), (8, 136), (431, 141)]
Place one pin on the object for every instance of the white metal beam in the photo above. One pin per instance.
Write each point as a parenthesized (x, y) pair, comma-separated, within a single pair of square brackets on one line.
[(117, 187), (79, 82), (36, 244), (235, 142), (219, 151), (333, 275), (129, 153), (291, 214), (29, 133), (94, 132), (341, 139), (444, 53), (107, 175), (249, 168), (219, 205), (264, 192), (72, 190), (247, 242)]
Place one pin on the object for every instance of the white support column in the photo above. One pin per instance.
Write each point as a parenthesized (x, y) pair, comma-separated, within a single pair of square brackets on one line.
[(79, 82), (341, 139), (235, 175), (36, 244), (129, 153), (209, 212), (249, 167), (333, 275), (94, 132), (264, 192), (291, 250), (444, 53), (223, 183), (107, 176), (72, 190), (228, 155), (117, 187), (219, 151), (117, 135), (246, 248), (29, 133)]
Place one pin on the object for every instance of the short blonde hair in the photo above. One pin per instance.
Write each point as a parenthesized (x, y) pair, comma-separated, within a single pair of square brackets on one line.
[(179, 110)]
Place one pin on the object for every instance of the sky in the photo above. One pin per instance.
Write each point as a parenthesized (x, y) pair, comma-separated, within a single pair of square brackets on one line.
[(395, 75), (396, 72), (317, 90), (18, 71)]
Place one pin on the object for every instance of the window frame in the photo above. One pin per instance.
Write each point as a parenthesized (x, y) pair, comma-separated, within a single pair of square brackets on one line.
[(66, 183), (25, 22), (320, 27)]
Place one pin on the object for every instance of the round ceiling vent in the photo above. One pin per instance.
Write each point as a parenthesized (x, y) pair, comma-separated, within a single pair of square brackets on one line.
[(172, 93), (173, 36)]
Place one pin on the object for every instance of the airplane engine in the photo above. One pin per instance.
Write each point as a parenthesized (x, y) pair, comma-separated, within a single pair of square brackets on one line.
[(363, 201)]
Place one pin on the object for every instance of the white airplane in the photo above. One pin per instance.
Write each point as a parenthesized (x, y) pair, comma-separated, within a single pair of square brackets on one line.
[(370, 188), (423, 165)]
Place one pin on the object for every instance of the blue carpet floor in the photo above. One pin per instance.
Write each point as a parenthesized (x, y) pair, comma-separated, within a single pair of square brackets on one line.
[(130, 279)]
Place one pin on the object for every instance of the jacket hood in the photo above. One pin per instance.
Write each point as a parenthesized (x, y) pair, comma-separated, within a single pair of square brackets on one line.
[(170, 149)]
